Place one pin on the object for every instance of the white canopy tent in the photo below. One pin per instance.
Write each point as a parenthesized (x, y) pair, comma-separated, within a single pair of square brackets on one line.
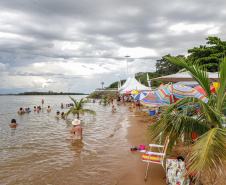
[(125, 84), (133, 84), (184, 76)]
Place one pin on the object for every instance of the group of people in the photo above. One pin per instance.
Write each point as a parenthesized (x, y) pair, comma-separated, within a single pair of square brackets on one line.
[(37, 109), (76, 131), (27, 110), (57, 116), (70, 105), (22, 111)]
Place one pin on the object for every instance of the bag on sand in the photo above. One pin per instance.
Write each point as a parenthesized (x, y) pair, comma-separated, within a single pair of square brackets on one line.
[(176, 172)]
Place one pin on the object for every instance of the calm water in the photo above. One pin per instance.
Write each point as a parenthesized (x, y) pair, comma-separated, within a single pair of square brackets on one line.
[(36, 152)]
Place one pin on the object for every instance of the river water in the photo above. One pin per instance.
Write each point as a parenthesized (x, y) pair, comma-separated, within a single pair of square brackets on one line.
[(36, 152)]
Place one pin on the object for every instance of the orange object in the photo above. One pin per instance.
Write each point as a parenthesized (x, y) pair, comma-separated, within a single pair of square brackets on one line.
[(201, 90)]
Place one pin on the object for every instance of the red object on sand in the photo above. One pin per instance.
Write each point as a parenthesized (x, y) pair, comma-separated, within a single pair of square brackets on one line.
[(201, 90), (194, 136)]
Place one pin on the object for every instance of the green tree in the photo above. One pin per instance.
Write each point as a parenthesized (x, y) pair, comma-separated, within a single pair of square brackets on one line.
[(78, 109), (208, 154), (166, 67), (115, 84), (142, 77), (211, 56)]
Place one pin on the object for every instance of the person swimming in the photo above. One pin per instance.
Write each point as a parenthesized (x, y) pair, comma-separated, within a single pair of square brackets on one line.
[(113, 109), (13, 123), (57, 115), (21, 111)]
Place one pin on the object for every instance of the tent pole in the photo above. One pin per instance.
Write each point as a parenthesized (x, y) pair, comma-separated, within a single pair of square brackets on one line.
[(172, 92)]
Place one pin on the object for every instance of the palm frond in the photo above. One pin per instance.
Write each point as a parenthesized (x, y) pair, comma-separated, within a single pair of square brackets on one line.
[(68, 112), (75, 102), (197, 72), (89, 111), (177, 124), (79, 108), (208, 154), (222, 81)]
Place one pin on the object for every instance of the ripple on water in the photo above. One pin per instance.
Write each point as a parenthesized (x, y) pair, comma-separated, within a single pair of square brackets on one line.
[(36, 152)]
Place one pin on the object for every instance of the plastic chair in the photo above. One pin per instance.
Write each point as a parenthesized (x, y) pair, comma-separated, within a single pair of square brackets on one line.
[(154, 157)]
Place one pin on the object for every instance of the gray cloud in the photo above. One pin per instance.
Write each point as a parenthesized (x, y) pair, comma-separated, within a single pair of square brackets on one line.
[(93, 32)]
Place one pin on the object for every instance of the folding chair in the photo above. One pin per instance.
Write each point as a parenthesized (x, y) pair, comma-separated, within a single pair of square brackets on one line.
[(154, 157)]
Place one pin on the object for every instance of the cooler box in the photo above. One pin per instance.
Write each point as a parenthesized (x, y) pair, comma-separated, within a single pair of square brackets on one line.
[(152, 112)]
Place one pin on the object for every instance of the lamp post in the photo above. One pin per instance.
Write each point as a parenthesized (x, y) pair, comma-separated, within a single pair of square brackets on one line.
[(102, 83), (127, 63)]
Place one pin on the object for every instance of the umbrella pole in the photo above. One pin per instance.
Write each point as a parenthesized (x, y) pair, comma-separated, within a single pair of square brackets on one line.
[(172, 92)]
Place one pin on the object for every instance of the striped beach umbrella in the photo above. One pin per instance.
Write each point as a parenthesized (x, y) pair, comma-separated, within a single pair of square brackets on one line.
[(163, 95), (151, 100), (140, 96), (181, 91)]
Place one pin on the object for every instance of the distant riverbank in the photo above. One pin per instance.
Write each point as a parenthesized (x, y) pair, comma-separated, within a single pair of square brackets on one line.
[(99, 94), (46, 93)]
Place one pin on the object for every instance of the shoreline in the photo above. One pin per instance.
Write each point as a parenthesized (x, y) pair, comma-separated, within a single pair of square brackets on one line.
[(136, 136)]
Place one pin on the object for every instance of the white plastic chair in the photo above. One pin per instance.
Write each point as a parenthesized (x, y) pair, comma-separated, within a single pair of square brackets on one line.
[(154, 157)]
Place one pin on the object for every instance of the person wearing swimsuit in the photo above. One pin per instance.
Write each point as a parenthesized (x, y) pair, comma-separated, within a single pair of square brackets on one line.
[(76, 131)]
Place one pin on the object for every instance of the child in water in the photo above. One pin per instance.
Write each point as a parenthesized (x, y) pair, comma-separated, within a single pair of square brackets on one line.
[(113, 109)]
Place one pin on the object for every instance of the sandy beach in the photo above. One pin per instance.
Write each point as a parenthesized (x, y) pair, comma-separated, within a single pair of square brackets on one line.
[(137, 135), (139, 122)]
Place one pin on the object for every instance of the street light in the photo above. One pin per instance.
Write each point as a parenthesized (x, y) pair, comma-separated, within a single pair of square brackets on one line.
[(127, 63), (102, 83)]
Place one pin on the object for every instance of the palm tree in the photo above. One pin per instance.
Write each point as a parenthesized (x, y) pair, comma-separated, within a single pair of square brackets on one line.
[(79, 108), (208, 154), (105, 100)]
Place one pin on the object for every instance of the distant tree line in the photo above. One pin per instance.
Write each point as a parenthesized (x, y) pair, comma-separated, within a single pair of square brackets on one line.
[(208, 56), (49, 93)]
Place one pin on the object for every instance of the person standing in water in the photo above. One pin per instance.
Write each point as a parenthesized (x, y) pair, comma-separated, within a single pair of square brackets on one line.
[(57, 115), (21, 111), (76, 131), (13, 123), (48, 109)]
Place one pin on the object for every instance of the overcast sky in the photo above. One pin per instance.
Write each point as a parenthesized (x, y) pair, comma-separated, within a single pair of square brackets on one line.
[(74, 45)]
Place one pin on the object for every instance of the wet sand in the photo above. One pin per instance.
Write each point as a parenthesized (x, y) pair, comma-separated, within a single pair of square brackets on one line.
[(136, 136), (139, 122)]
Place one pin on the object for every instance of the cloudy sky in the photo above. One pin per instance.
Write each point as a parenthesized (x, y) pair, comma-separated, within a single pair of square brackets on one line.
[(74, 45)]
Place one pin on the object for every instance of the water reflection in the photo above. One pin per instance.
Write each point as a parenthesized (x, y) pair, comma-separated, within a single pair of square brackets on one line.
[(13, 131), (77, 146)]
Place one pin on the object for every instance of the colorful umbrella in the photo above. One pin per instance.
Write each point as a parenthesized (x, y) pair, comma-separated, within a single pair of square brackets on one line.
[(151, 100), (181, 91), (201, 90), (163, 95), (140, 96)]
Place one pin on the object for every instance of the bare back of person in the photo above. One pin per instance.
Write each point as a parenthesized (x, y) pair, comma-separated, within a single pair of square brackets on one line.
[(77, 130), (13, 125)]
